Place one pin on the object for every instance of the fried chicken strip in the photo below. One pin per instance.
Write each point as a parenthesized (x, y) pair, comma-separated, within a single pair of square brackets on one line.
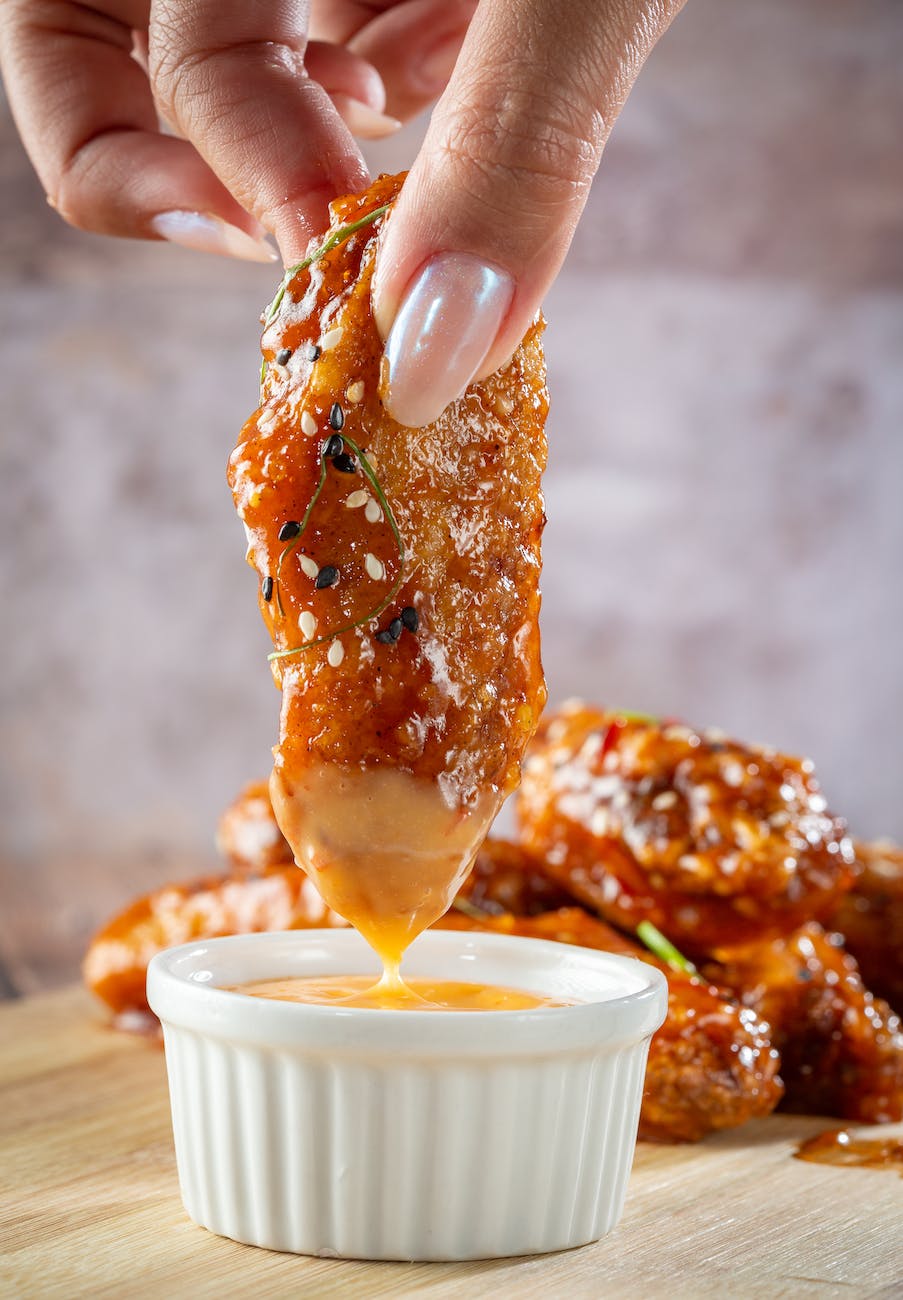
[(870, 918), (399, 581), (115, 965), (248, 835), (711, 1065), (841, 1048), (715, 842)]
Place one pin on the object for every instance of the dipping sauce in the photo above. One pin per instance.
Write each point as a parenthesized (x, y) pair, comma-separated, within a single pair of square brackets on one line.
[(411, 995), (837, 1147)]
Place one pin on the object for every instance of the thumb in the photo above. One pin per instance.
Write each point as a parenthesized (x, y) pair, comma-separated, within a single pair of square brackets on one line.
[(489, 209)]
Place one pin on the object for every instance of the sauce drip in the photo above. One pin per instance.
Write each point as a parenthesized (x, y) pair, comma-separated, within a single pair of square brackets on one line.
[(837, 1147), (383, 848), (410, 995)]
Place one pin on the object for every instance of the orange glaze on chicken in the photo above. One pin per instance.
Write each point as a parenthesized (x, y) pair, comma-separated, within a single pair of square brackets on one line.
[(410, 672), (715, 842)]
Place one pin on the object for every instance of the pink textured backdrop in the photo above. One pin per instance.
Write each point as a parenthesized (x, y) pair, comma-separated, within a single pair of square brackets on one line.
[(724, 494)]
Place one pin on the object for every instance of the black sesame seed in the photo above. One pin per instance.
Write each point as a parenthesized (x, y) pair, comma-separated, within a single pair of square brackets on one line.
[(267, 589), (291, 528), (344, 464), (410, 618), (333, 446), (313, 351), (386, 638), (283, 356), (327, 577), (395, 628), (336, 417)]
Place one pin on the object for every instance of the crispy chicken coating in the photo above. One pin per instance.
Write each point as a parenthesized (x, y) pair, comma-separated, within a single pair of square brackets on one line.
[(506, 877), (399, 575), (870, 918), (841, 1048), (115, 965), (715, 842), (711, 1065), (248, 835)]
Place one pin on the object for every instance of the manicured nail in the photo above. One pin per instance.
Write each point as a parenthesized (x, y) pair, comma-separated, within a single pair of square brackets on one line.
[(446, 324), (364, 121), (211, 235)]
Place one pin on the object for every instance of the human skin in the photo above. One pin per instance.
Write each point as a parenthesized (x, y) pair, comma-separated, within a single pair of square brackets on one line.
[(264, 102)]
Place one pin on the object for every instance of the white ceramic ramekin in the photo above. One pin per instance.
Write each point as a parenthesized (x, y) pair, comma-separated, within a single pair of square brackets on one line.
[(407, 1135)]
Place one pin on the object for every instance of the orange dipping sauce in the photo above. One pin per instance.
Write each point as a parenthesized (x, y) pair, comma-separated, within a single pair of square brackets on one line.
[(412, 995)]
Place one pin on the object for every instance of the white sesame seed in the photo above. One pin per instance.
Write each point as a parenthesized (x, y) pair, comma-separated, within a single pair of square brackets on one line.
[(354, 392), (356, 499), (330, 339), (373, 513), (667, 799), (309, 566), (308, 625), (335, 654), (375, 568), (308, 424)]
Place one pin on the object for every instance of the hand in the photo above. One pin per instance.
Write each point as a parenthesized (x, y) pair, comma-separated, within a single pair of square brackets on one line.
[(255, 93), (489, 209), (258, 94)]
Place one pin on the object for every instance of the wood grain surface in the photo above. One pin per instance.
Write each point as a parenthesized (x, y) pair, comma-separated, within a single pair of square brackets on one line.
[(89, 1202)]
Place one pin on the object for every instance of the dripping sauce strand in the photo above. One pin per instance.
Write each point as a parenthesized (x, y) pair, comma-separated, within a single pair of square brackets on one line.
[(838, 1147)]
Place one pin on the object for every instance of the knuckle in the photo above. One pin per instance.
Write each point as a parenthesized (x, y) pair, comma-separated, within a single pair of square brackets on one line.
[(183, 80), (546, 146)]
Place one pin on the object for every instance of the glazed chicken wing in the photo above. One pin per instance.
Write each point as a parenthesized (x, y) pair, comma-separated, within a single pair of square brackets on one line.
[(506, 877), (711, 1065), (115, 965), (714, 842), (870, 918), (841, 1048), (398, 577), (248, 835)]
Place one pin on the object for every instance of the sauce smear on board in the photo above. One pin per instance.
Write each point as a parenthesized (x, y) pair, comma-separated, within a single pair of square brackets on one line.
[(837, 1147)]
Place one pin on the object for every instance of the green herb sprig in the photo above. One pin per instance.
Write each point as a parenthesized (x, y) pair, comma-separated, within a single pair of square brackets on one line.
[(370, 475), (337, 237), (663, 948)]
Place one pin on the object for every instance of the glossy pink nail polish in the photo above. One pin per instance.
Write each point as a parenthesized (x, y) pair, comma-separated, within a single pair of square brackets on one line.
[(447, 322)]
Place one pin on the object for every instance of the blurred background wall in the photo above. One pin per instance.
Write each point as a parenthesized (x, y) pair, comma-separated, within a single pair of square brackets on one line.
[(725, 532)]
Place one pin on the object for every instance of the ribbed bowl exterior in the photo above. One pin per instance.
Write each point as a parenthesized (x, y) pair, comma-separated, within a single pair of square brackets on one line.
[(402, 1160), (405, 1135)]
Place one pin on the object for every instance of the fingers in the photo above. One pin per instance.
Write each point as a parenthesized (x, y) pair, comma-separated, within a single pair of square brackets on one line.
[(355, 88), (415, 46), (85, 112), (231, 77), (489, 209)]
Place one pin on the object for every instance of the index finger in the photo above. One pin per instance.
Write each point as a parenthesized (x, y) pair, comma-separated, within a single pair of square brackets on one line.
[(231, 76)]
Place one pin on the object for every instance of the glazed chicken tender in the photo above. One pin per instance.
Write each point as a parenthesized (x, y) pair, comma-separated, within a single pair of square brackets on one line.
[(115, 965), (711, 1065), (398, 576), (870, 918), (841, 1048), (715, 842)]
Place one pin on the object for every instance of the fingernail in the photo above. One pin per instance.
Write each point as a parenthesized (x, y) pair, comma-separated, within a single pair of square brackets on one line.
[(446, 324), (364, 121), (211, 235), (431, 74)]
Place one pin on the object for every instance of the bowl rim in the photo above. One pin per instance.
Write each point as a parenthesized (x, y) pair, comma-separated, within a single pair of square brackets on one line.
[(185, 992)]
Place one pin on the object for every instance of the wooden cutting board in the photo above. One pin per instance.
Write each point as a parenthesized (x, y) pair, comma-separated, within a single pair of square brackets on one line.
[(89, 1203)]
